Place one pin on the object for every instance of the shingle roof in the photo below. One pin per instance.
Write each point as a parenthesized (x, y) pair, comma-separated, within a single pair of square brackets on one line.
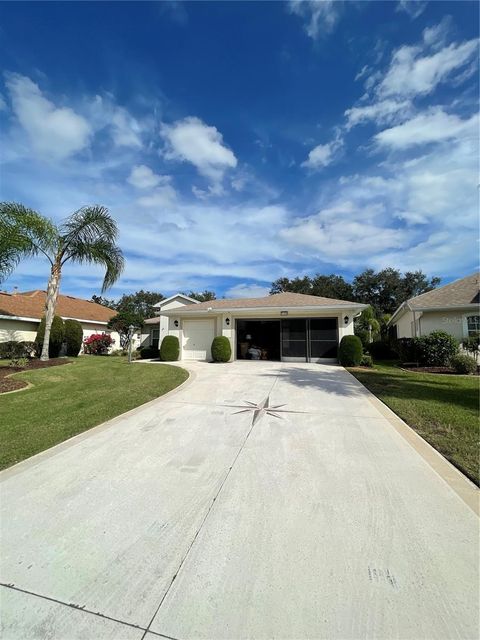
[(461, 292), (276, 301), (30, 304)]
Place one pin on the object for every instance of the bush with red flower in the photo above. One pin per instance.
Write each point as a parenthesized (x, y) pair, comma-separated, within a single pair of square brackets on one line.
[(98, 344)]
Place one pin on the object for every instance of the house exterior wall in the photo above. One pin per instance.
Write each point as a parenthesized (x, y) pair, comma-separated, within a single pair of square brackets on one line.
[(453, 322), (26, 331), (17, 330)]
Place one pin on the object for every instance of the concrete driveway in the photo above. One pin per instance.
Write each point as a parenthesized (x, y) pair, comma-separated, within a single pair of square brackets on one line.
[(259, 501)]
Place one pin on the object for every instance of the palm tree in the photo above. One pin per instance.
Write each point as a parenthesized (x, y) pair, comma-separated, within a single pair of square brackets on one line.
[(87, 236)]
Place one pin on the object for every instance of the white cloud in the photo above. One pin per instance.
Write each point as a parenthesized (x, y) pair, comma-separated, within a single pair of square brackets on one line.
[(142, 177), (414, 8), (124, 129), (193, 141), (412, 74), (161, 197), (345, 233), (433, 125), (381, 112), (320, 16), (247, 291), (56, 132), (436, 36), (3, 104), (322, 155)]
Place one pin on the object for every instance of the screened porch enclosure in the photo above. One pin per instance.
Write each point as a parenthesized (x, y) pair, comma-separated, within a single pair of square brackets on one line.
[(288, 339)]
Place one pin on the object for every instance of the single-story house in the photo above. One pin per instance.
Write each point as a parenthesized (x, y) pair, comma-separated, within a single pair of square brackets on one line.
[(155, 329), (21, 312), (289, 327), (454, 308)]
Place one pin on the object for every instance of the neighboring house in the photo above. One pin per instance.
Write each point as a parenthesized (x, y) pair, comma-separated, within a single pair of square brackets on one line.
[(20, 315), (285, 326), (453, 308)]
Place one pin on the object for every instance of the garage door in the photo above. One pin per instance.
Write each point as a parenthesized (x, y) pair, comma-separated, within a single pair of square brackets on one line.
[(197, 339)]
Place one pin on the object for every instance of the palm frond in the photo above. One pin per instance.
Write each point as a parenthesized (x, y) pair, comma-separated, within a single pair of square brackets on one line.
[(102, 252), (23, 233), (87, 225)]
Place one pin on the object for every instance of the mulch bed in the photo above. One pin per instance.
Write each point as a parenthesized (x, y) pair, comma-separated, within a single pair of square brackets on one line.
[(446, 370), (12, 384)]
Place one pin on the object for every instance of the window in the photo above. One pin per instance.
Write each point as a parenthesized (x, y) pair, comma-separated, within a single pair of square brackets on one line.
[(473, 326), (154, 337)]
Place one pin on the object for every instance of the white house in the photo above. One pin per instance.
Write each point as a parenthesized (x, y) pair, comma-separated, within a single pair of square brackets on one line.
[(20, 315), (453, 308), (285, 326)]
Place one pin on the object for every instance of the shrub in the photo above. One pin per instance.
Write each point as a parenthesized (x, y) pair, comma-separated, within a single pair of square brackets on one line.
[(98, 344), (119, 352), (145, 353), (463, 364), (437, 349), (221, 349), (73, 337), (366, 361), (57, 336), (350, 351), (381, 350), (13, 349), (18, 362), (408, 349), (364, 336), (169, 349)]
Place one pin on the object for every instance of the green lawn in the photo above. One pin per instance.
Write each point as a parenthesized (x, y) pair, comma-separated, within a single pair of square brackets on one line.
[(72, 398), (442, 409)]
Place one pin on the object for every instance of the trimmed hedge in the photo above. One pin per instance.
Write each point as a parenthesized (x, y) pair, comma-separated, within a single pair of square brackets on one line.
[(73, 337), (350, 351), (366, 361), (221, 349), (437, 349), (57, 336), (169, 349), (463, 364)]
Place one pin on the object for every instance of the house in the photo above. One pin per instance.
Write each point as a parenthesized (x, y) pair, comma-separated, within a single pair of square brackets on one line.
[(453, 308), (21, 312), (286, 326)]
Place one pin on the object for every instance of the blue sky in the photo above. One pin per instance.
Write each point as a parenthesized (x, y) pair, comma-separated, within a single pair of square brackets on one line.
[(236, 143)]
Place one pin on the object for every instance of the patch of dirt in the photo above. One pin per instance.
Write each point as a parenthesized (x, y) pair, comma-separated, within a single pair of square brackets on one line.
[(12, 384)]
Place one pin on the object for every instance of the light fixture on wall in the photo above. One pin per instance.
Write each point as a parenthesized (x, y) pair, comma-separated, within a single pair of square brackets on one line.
[(248, 337), (175, 322), (284, 313), (346, 319), (227, 321)]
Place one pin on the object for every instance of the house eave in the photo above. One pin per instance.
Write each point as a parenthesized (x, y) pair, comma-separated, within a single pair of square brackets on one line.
[(213, 311), (27, 319)]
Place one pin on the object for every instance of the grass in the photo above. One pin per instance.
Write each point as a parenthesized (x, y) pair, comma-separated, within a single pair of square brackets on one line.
[(72, 398), (443, 409)]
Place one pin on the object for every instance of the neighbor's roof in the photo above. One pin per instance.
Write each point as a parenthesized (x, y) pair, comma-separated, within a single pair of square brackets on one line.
[(277, 301), (460, 293), (31, 304)]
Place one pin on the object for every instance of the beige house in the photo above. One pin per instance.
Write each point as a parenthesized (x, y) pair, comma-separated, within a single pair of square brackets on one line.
[(285, 326), (20, 315), (453, 308)]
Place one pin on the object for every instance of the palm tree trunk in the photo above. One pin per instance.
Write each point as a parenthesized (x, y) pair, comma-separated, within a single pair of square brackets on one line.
[(50, 305)]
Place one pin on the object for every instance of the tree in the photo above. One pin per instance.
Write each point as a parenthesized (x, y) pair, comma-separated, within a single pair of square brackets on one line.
[(121, 323), (367, 325), (139, 303), (386, 290), (87, 236), (331, 286), (105, 302), (203, 296)]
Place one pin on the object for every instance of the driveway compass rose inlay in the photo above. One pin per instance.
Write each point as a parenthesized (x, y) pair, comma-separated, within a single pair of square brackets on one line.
[(261, 409)]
